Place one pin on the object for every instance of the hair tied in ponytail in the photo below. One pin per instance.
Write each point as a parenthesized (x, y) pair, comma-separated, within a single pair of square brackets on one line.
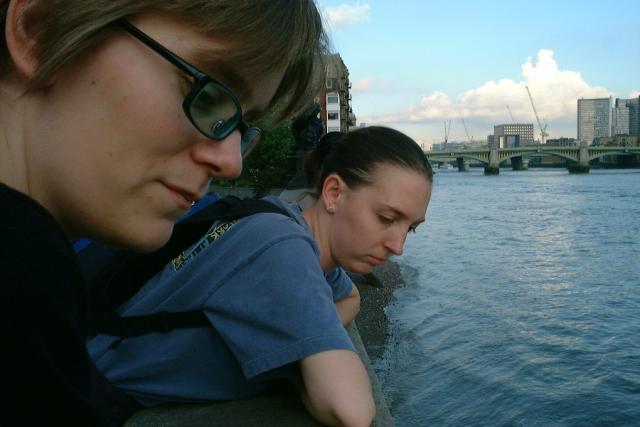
[(326, 143)]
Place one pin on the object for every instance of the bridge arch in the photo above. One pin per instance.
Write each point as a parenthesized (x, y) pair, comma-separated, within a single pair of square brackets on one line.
[(621, 152)]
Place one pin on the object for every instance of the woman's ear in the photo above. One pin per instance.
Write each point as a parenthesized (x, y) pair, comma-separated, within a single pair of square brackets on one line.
[(20, 31), (332, 189)]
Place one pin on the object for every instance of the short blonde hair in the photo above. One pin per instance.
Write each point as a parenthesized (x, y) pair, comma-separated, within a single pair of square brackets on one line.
[(265, 35)]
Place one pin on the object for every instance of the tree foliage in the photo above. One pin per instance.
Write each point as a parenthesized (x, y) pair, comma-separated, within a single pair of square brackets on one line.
[(266, 166)]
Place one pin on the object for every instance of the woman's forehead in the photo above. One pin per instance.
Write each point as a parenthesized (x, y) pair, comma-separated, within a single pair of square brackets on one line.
[(399, 188)]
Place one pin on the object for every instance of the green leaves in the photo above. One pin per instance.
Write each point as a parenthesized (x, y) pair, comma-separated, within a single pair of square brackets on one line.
[(266, 166)]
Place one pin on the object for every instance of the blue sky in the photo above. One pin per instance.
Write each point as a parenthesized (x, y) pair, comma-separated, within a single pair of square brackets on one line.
[(416, 64)]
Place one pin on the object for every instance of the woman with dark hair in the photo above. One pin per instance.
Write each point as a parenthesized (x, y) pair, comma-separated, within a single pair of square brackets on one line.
[(273, 289), (115, 116)]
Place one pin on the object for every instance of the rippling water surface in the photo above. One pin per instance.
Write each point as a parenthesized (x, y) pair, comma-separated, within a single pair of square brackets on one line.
[(522, 304)]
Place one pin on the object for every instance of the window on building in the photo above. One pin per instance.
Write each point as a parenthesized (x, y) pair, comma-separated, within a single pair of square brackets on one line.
[(333, 129), (333, 116), (333, 99), (329, 83)]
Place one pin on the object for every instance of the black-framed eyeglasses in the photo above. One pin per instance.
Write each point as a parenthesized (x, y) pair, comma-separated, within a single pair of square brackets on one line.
[(210, 105)]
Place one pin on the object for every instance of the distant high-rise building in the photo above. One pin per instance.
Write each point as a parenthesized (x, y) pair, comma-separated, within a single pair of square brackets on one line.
[(513, 135), (594, 119), (626, 117), (620, 118)]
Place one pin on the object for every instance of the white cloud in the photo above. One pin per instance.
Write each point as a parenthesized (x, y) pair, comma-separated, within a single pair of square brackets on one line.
[(554, 91), (433, 106), (345, 15), (368, 84), (634, 94)]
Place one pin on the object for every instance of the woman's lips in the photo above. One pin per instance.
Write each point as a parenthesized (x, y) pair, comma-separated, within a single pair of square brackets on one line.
[(376, 261), (184, 197)]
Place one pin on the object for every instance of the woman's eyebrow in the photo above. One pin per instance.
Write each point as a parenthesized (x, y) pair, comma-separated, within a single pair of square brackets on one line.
[(209, 62)]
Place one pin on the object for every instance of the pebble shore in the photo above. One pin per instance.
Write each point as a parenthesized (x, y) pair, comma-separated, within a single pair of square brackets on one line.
[(373, 324)]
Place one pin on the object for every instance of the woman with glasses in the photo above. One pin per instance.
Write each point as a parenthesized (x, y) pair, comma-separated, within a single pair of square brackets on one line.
[(273, 291), (115, 116)]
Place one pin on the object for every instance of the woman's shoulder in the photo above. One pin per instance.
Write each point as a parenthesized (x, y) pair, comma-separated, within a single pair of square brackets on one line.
[(27, 229), (36, 258), (288, 223), (252, 236)]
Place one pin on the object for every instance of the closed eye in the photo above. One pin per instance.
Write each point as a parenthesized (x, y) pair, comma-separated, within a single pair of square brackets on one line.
[(386, 220)]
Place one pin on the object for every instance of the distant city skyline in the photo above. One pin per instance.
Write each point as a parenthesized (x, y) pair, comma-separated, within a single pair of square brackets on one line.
[(416, 64)]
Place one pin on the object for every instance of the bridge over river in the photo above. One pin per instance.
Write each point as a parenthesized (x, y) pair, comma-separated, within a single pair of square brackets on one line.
[(578, 156)]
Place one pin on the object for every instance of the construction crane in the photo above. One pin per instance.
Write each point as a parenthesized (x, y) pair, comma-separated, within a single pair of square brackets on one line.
[(446, 133), (543, 130), (511, 115), (470, 139)]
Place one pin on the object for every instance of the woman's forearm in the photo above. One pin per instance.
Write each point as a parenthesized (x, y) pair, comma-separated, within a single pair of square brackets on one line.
[(336, 389), (349, 307)]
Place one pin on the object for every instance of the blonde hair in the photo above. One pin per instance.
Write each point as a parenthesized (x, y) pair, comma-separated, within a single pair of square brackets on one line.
[(264, 35)]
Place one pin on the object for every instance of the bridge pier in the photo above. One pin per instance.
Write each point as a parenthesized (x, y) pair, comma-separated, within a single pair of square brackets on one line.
[(583, 160), (494, 163), (519, 163), (578, 168), (491, 170), (463, 165)]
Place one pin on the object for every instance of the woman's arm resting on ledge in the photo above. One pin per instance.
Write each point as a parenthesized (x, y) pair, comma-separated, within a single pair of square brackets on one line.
[(336, 389), (349, 306)]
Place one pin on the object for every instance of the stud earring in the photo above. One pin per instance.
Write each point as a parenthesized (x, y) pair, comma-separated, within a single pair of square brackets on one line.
[(331, 209)]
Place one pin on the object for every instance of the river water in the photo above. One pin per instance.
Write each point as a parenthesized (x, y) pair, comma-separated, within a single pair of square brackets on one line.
[(522, 303)]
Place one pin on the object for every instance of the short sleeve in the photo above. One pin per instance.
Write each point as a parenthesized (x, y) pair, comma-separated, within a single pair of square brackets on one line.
[(340, 282), (277, 309)]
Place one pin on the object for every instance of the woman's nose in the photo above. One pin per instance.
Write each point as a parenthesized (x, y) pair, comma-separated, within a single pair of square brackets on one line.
[(395, 243), (223, 157)]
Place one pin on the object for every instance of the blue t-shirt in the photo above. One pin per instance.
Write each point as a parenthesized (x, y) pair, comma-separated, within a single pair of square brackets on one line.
[(259, 282)]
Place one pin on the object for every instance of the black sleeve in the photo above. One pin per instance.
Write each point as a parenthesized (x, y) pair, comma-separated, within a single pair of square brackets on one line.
[(47, 375), (47, 369)]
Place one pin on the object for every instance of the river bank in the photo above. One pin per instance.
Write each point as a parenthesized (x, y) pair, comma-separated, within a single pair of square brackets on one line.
[(373, 323)]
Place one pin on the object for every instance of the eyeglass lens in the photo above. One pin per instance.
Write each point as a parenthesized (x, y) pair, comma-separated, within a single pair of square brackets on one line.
[(216, 114), (213, 111)]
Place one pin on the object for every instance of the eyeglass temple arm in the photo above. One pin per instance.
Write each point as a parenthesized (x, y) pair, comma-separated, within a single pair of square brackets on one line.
[(158, 48)]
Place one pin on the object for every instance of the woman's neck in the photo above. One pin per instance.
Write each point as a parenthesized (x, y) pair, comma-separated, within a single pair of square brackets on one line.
[(13, 172), (318, 221)]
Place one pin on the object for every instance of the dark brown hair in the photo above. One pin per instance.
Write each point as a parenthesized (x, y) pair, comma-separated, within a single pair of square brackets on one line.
[(354, 156), (263, 35)]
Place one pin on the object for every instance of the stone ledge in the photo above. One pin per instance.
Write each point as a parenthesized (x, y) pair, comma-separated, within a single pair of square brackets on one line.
[(280, 407)]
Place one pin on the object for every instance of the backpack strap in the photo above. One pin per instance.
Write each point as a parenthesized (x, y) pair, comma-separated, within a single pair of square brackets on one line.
[(164, 321), (135, 271)]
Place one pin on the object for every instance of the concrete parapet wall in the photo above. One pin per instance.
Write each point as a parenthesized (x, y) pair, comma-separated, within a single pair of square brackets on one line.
[(280, 407)]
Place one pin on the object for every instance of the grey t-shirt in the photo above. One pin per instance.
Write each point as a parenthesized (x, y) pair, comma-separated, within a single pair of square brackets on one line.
[(259, 282)]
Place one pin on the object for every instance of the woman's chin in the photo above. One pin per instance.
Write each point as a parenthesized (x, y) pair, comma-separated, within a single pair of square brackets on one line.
[(361, 267), (143, 239)]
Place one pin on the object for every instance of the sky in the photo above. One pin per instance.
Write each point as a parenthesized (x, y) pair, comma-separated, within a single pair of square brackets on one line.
[(416, 64)]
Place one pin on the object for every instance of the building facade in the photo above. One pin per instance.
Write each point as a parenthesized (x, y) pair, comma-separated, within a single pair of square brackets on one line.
[(513, 135), (562, 142), (594, 119), (335, 99), (626, 117)]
